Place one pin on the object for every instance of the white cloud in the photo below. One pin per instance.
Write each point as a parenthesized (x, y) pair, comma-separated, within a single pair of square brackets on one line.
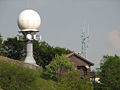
[(114, 37)]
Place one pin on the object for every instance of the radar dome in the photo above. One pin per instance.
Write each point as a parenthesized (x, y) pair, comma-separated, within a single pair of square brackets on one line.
[(29, 20)]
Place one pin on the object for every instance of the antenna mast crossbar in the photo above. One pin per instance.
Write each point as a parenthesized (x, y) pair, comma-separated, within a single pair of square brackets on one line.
[(84, 41)]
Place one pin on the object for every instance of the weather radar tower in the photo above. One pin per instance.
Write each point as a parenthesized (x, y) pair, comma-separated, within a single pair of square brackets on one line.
[(84, 40), (29, 23)]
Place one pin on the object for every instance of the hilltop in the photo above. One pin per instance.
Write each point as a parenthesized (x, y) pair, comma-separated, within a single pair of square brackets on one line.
[(20, 63), (15, 76)]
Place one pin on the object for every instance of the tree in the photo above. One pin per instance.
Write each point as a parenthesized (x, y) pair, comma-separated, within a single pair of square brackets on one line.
[(58, 64), (14, 49), (2, 50), (110, 73), (73, 81), (43, 52), (1, 40)]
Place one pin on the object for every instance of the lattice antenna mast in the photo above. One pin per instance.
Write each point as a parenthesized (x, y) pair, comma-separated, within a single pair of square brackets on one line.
[(84, 40)]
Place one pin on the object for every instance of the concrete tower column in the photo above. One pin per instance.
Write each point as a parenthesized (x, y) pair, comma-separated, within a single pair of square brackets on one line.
[(29, 57)]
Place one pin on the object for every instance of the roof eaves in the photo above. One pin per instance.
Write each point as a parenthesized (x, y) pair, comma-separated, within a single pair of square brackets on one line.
[(84, 59)]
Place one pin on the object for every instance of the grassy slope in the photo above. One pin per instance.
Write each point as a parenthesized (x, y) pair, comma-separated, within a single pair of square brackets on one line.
[(42, 84)]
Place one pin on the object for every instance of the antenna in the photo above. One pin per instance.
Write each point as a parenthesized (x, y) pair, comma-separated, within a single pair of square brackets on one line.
[(84, 40)]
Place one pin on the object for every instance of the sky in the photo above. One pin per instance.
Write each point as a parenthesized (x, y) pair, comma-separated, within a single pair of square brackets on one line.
[(62, 21)]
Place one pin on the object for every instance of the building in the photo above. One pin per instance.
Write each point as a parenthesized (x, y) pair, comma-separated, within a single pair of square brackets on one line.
[(81, 64)]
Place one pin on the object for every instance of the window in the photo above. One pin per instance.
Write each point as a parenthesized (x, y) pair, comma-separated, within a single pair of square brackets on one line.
[(83, 68)]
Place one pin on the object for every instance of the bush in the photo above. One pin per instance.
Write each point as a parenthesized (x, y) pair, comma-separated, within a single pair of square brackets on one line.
[(97, 86), (73, 81), (13, 77), (48, 76), (58, 64)]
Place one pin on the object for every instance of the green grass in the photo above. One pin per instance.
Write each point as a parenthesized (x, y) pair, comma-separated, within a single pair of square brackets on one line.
[(16, 77)]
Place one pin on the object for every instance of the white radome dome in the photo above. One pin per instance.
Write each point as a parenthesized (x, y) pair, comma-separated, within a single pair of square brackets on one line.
[(29, 20)]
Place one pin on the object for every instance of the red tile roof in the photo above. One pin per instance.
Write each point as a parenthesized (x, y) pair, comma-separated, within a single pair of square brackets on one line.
[(69, 54), (79, 55)]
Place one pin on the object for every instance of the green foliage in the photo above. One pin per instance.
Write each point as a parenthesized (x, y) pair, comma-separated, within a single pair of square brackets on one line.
[(13, 77), (48, 76), (97, 86), (58, 64), (14, 49), (110, 73), (0, 40), (43, 52), (1, 45), (73, 81), (56, 68)]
